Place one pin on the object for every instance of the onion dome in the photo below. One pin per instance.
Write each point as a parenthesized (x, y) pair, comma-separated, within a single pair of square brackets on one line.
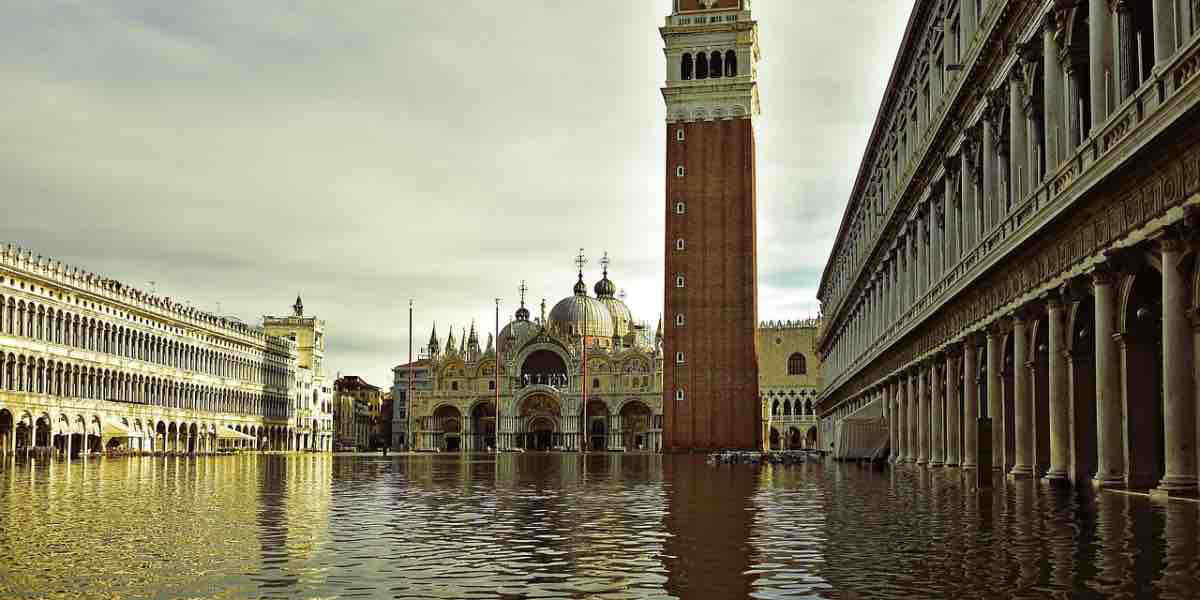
[(581, 314), (606, 293)]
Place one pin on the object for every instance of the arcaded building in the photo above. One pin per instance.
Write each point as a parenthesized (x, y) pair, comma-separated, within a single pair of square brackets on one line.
[(710, 388), (89, 364), (1020, 244)]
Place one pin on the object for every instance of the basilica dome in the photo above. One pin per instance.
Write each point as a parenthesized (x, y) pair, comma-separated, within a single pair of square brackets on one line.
[(518, 329), (622, 317), (580, 313)]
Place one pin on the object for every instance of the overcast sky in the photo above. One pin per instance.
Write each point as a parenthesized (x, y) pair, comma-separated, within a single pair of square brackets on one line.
[(364, 153)]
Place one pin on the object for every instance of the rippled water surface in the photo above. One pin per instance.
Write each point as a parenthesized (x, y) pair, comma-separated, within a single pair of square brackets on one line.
[(566, 526)]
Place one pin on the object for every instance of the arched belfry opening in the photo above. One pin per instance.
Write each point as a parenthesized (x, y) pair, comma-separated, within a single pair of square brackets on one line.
[(686, 66), (701, 66), (714, 64), (731, 67)]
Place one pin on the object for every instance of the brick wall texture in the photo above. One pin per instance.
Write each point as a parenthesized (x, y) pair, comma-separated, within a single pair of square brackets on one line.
[(719, 302)]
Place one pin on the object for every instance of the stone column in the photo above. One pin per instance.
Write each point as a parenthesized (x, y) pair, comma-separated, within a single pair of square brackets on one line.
[(901, 421), (1018, 141), (989, 178), (937, 416), (1100, 54), (1127, 66), (970, 369), (898, 400), (952, 245), (1179, 401), (912, 436), (953, 420), (968, 24), (995, 395), (923, 446), (1022, 398), (1059, 394), (1110, 451), (967, 176), (1076, 123), (1164, 31)]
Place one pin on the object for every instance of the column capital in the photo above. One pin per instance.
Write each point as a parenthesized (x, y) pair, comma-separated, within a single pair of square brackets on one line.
[(998, 327), (1030, 311), (1108, 270)]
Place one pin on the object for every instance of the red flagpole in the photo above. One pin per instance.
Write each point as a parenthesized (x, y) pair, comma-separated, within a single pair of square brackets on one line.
[(496, 373), (408, 400)]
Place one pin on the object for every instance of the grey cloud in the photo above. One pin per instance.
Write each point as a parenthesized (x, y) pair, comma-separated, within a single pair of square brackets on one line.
[(367, 153)]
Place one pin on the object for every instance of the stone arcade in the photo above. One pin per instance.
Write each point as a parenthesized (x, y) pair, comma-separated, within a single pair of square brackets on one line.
[(1020, 244), (90, 365)]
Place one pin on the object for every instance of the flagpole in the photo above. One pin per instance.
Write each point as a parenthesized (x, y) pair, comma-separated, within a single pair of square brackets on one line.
[(408, 400), (496, 372)]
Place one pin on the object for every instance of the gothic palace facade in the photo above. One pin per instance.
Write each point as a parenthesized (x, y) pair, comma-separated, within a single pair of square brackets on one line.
[(1020, 244), (90, 365)]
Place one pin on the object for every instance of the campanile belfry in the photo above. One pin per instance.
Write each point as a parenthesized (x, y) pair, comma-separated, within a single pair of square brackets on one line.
[(710, 375)]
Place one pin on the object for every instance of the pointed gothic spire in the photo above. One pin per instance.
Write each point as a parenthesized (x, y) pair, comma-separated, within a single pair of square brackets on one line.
[(462, 343), (434, 345), (298, 307), (451, 348)]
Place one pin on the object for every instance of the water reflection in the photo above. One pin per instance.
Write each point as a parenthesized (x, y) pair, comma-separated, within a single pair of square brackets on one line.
[(550, 525)]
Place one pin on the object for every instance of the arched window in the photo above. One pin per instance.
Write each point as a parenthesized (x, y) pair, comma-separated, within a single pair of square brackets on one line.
[(685, 67), (701, 66), (714, 64), (731, 64), (679, 358), (797, 365), (679, 281), (679, 394), (679, 320), (680, 208)]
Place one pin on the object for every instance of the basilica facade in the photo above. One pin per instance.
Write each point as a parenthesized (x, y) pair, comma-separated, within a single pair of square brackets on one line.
[(586, 375)]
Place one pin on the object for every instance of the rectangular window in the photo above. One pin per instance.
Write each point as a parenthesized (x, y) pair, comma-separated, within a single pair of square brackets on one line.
[(680, 244), (679, 134), (679, 171), (679, 394)]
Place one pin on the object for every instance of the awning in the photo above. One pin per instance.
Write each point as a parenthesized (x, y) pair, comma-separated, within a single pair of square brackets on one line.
[(112, 428), (225, 433)]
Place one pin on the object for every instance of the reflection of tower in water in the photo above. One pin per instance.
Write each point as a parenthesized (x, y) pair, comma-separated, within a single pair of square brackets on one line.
[(709, 517)]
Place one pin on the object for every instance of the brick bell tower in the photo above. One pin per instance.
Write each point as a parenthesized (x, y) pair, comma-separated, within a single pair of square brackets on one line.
[(710, 379)]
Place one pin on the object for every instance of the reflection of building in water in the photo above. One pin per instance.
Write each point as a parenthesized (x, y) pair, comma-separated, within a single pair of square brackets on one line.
[(88, 364), (542, 382)]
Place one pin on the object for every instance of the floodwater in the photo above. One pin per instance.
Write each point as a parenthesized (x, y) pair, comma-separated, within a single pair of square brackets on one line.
[(570, 526)]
